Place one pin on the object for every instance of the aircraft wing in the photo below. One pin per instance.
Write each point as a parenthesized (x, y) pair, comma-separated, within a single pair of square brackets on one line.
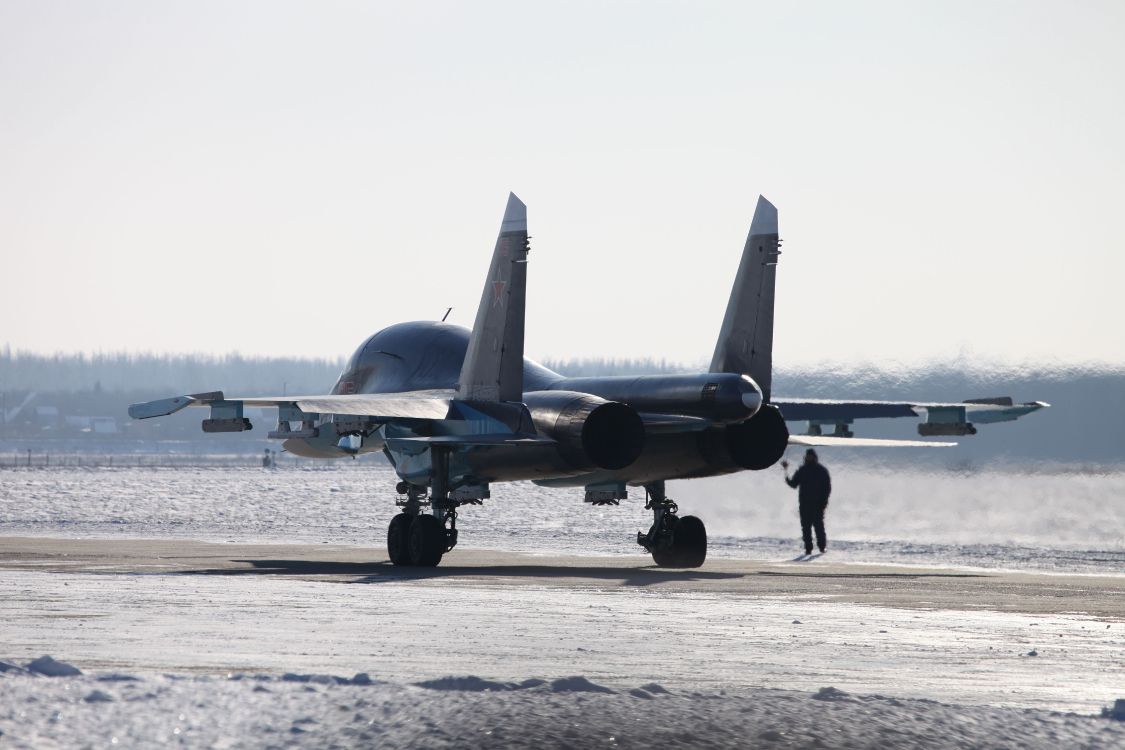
[(408, 405), (940, 418), (854, 442), (658, 424)]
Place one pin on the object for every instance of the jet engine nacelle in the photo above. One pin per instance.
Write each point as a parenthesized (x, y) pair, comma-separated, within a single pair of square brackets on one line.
[(756, 444), (591, 432)]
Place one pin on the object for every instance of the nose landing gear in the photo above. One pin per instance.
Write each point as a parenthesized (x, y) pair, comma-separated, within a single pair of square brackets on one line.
[(674, 542)]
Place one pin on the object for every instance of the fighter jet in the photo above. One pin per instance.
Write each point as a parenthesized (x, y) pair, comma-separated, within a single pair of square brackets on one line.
[(455, 411)]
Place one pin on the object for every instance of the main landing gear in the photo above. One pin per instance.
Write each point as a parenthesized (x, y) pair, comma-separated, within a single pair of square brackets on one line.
[(420, 538), (416, 537), (674, 542)]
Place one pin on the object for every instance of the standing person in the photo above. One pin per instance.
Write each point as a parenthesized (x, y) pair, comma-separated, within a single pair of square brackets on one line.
[(815, 485)]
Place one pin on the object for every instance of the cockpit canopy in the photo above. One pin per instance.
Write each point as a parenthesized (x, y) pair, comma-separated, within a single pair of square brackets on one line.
[(420, 355)]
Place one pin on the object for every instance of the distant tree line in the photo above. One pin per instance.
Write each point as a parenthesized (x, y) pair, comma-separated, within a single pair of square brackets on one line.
[(577, 367), (168, 373)]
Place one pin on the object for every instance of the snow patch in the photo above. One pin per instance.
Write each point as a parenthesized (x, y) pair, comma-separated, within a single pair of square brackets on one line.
[(360, 678), (9, 667), (831, 694), (201, 711), (470, 684), (117, 677), (319, 679), (474, 684), (48, 667), (577, 684)]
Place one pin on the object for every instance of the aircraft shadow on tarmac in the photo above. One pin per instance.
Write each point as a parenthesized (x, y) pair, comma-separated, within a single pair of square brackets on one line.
[(385, 572), (805, 574)]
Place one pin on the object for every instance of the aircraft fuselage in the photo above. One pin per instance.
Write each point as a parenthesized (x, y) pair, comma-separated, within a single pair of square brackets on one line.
[(429, 355)]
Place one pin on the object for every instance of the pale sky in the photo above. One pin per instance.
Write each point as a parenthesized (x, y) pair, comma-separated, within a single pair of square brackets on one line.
[(286, 178)]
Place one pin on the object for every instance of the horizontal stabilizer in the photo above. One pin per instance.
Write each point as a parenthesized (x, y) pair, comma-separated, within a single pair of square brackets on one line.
[(826, 409), (472, 441), (827, 441)]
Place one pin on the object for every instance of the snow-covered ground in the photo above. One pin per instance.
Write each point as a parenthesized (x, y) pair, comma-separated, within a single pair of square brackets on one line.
[(510, 627), (201, 660), (319, 711), (1066, 521), (224, 659)]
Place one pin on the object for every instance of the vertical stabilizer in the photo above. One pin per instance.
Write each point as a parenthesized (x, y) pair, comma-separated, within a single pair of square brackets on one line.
[(493, 368), (745, 343)]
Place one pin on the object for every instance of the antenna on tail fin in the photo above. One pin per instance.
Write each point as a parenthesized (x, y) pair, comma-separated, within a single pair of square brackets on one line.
[(493, 367), (745, 344)]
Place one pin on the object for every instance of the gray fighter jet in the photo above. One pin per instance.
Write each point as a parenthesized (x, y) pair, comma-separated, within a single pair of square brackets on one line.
[(456, 410)]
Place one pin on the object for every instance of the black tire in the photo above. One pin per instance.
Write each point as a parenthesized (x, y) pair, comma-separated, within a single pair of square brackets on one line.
[(664, 558), (427, 541), (398, 539), (688, 548), (689, 540)]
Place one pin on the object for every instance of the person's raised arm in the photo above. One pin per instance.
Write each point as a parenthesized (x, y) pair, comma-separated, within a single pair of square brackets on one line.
[(796, 475)]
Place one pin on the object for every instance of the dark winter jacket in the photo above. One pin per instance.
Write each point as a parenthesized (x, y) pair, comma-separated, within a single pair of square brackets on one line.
[(815, 485)]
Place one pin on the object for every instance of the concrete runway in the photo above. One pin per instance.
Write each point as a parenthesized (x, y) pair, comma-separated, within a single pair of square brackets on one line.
[(960, 636), (821, 579)]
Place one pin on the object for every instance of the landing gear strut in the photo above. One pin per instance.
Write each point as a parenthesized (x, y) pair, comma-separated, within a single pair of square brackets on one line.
[(416, 537), (673, 541)]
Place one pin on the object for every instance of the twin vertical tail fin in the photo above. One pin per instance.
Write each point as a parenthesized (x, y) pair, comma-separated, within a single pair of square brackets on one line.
[(493, 367), (745, 344)]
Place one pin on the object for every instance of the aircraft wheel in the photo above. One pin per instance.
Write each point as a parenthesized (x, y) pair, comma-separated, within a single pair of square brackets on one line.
[(689, 539), (427, 541), (688, 548), (398, 539), (664, 558)]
